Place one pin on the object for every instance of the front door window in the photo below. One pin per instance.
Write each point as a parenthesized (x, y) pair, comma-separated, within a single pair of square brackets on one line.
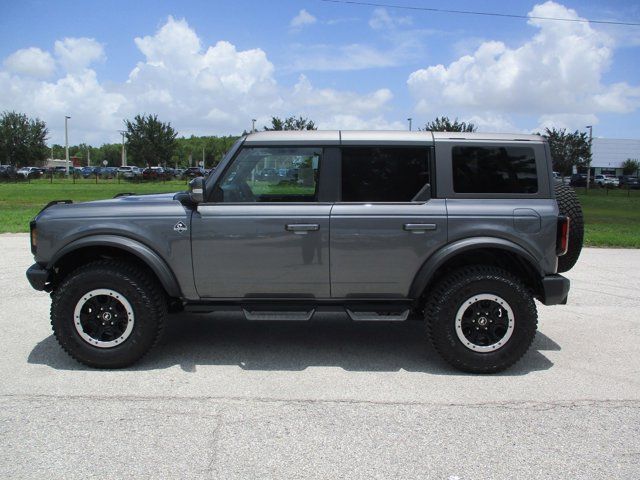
[(270, 174)]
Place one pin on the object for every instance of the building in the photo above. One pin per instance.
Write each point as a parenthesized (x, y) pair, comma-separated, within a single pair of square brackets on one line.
[(61, 162), (608, 154)]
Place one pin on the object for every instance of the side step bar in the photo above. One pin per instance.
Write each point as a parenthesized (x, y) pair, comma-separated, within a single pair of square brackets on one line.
[(290, 315), (397, 316), (361, 311)]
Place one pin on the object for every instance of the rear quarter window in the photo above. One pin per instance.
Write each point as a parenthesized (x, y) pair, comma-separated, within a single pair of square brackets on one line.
[(479, 169)]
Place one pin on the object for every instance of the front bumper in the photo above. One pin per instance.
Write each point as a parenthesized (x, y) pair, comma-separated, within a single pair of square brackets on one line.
[(38, 276), (555, 290)]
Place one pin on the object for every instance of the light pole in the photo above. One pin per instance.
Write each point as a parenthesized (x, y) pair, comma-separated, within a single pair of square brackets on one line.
[(253, 125), (66, 142), (590, 127), (409, 120), (123, 156)]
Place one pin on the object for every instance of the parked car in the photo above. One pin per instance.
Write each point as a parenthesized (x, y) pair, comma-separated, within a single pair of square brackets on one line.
[(29, 172), (169, 172), (129, 171), (106, 172), (629, 181), (7, 172), (578, 180), (606, 181), (87, 172), (193, 172), (268, 174), (61, 170), (153, 173)]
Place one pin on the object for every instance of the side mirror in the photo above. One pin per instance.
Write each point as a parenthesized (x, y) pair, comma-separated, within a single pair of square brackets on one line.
[(196, 190)]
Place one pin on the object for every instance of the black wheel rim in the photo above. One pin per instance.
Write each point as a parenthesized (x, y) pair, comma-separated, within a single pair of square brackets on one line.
[(484, 322), (103, 318)]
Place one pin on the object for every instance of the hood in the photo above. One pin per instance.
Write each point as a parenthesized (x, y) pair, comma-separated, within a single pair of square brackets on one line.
[(124, 206)]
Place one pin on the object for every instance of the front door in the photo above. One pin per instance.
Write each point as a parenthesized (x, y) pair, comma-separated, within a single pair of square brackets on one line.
[(264, 234)]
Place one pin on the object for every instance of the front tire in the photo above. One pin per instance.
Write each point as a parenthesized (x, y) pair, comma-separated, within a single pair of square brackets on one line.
[(481, 319), (108, 314)]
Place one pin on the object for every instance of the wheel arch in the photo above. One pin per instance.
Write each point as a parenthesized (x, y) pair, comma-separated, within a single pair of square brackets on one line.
[(96, 246), (479, 250)]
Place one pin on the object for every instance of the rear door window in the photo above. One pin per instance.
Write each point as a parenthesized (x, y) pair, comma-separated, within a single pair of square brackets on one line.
[(479, 169), (384, 174)]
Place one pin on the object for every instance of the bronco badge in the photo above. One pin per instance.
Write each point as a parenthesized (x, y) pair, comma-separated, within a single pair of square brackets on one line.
[(180, 227)]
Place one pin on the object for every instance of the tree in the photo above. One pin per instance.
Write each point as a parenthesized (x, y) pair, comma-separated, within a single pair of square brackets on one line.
[(568, 149), (111, 152), (214, 150), (443, 124), (630, 166), (150, 141), (22, 139), (291, 123), (58, 151)]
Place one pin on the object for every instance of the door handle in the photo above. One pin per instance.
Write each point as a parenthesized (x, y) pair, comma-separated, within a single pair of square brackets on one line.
[(419, 227), (301, 228)]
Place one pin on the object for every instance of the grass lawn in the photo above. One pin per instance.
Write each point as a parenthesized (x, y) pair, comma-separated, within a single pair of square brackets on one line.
[(20, 202), (611, 220)]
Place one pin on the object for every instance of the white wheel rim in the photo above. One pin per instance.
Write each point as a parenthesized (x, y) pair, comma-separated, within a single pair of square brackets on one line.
[(463, 326), (105, 317)]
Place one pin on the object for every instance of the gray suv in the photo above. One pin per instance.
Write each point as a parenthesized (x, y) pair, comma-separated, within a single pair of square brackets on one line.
[(462, 231)]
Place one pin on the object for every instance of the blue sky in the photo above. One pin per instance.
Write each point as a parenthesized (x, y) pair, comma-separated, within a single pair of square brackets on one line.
[(209, 67)]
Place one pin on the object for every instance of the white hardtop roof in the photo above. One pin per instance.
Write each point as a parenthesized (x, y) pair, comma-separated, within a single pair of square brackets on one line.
[(355, 137), (505, 137)]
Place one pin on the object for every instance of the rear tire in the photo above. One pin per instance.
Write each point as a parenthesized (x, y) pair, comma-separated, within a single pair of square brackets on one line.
[(108, 314), (569, 205), (481, 319)]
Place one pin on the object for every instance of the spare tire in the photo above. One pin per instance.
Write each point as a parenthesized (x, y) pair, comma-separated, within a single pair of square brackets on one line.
[(569, 205)]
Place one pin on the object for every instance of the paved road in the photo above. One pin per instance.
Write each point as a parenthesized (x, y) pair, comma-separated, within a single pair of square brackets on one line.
[(223, 398)]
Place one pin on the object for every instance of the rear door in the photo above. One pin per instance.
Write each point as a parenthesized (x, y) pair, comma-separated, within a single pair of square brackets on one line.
[(386, 224), (264, 234)]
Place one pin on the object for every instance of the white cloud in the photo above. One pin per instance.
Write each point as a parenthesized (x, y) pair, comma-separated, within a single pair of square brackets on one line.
[(200, 89), (493, 123), (557, 72), (95, 112), (339, 109), (341, 58), (32, 62), (335, 101), (567, 121), (395, 46), (303, 18), (382, 20), (75, 54), (173, 46)]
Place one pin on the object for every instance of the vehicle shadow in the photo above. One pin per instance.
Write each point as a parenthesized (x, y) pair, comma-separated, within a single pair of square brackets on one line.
[(332, 341)]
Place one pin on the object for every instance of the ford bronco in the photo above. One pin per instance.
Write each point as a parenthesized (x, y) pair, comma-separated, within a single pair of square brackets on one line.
[(460, 230)]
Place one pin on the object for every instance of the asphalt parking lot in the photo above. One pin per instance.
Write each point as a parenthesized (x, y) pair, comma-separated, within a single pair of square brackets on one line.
[(224, 398)]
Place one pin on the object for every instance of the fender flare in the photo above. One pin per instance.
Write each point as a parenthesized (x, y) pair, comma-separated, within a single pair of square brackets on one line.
[(446, 253), (148, 256)]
